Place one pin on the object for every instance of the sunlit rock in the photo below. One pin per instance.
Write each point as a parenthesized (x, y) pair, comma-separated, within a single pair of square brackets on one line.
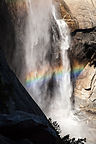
[(85, 90), (84, 11), (66, 14)]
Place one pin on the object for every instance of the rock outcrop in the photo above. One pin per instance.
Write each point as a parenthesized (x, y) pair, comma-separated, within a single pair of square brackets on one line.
[(85, 99), (84, 52), (85, 90), (65, 13), (84, 11), (83, 45), (83, 58)]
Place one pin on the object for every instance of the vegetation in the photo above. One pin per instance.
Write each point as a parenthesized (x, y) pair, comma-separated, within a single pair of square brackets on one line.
[(66, 139)]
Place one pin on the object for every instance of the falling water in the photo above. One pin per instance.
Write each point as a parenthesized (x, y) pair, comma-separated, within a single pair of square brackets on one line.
[(60, 109), (37, 43), (65, 88), (49, 85)]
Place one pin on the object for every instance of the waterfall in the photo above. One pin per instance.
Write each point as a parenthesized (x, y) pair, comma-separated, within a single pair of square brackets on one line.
[(60, 109), (65, 83), (37, 43), (47, 82)]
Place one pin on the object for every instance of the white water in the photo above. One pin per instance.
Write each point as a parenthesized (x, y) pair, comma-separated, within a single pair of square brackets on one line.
[(37, 44), (65, 83), (60, 109)]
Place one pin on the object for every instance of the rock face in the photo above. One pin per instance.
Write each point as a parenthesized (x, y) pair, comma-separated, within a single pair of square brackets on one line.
[(83, 45), (12, 33), (84, 11), (65, 13), (85, 90), (85, 99), (21, 120), (84, 51)]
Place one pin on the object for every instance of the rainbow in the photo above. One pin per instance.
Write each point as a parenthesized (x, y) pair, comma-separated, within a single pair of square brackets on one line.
[(45, 74), (76, 71)]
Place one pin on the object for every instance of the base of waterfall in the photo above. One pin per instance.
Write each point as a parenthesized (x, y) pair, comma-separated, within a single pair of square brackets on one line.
[(69, 124)]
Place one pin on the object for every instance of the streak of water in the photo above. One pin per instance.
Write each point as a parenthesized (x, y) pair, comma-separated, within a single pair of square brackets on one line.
[(50, 92)]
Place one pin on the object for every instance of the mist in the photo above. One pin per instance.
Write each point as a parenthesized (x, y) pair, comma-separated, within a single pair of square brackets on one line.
[(47, 76)]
